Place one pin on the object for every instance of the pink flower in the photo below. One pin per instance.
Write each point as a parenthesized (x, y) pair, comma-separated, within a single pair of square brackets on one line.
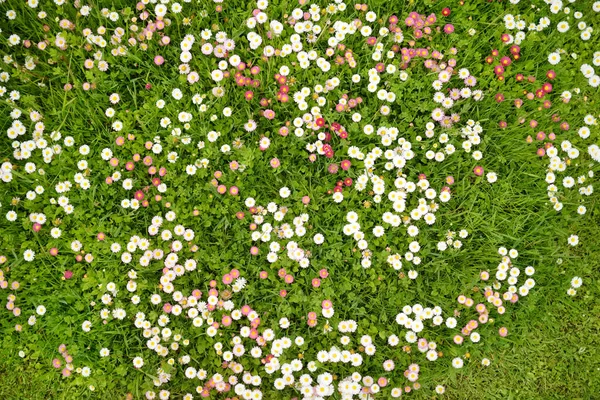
[(346, 164), (159, 60), (437, 114), (540, 136), (245, 310), (139, 195), (478, 170), (448, 28), (269, 114), (275, 162)]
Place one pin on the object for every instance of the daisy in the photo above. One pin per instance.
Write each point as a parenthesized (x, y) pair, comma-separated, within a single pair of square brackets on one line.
[(29, 255), (138, 362), (573, 240), (284, 192), (554, 58)]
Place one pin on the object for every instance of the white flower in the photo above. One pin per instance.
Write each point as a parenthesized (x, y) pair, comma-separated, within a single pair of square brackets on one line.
[(457, 362), (138, 362), (573, 240), (338, 196), (562, 26), (378, 231), (554, 58), (29, 255), (284, 192), (86, 326)]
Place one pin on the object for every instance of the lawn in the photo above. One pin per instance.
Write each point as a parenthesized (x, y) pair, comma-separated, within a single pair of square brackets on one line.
[(274, 200)]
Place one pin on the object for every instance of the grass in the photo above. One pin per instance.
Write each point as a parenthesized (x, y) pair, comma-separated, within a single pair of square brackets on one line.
[(552, 350)]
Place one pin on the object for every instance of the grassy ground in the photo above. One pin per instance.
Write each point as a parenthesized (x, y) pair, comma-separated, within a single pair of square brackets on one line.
[(553, 347), (552, 351)]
